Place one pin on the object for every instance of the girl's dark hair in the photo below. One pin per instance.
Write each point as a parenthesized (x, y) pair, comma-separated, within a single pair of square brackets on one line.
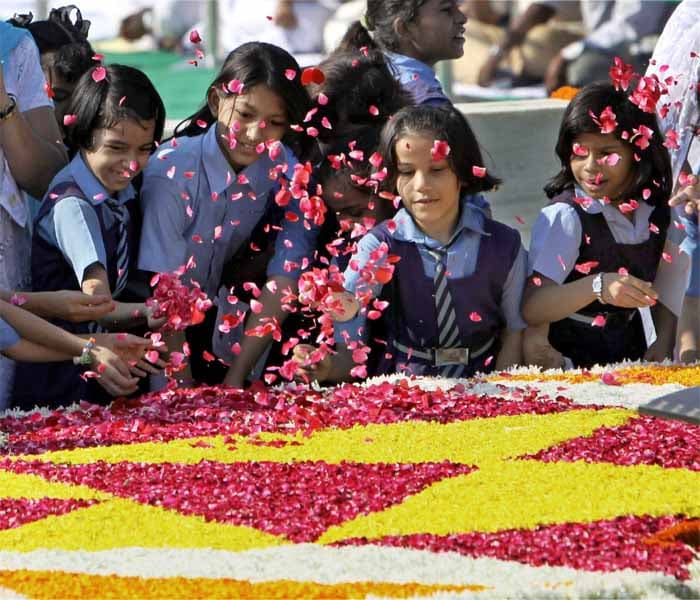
[(65, 36), (365, 140), (444, 123), (259, 63), (124, 93), (379, 18), (655, 164), (354, 83)]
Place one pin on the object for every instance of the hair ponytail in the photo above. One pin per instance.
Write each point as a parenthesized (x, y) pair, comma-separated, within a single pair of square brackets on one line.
[(357, 36)]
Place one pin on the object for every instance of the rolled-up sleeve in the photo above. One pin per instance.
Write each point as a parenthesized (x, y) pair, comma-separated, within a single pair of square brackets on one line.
[(513, 292), (555, 242), (163, 244), (73, 227)]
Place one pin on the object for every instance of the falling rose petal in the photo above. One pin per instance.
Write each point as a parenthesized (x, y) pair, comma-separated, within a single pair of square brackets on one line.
[(667, 257), (152, 356), (561, 262), (49, 91), (439, 151), (290, 74), (475, 317), (646, 193), (312, 75), (519, 219), (326, 123), (598, 321), (376, 160), (622, 271), (218, 231), (260, 148), (256, 306), (242, 179), (274, 150), (586, 267), (312, 132), (653, 228), (195, 38), (537, 281), (68, 120), (18, 299), (579, 150), (373, 110), (98, 74), (609, 379), (478, 171), (236, 348), (202, 123), (133, 166), (322, 99), (613, 159), (235, 86)]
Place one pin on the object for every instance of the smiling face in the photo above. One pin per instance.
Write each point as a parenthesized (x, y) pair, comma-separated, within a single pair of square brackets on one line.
[(120, 153), (257, 115), (437, 33), (603, 166), (429, 188)]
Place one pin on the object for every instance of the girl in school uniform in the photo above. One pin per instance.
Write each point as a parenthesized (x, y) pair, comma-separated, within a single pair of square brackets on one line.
[(85, 235), (206, 190), (597, 247), (454, 293), (413, 35)]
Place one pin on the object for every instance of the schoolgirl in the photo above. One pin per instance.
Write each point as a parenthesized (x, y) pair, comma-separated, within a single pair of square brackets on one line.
[(455, 277), (85, 236), (596, 247)]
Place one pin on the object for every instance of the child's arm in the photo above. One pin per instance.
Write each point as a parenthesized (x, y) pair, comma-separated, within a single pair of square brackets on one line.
[(253, 346), (551, 302), (538, 351), (69, 305), (689, 330), (665, 323), (511, 353), (41, 341), (126, 315)]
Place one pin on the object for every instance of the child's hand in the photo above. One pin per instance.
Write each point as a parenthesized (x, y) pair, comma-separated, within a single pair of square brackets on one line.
[(132, 349), (538, 351), (689, 198), (318, 371), (153, 323), (627, 291), (73, 306), (114, 372)]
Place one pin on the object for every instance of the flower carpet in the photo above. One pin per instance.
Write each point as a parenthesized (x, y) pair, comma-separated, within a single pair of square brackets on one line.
[(519, 484)]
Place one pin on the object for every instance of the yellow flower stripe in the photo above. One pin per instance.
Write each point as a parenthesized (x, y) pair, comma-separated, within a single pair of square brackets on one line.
[(476, 441), (47, 585), (688, 376), (122, 523), (528, 493)]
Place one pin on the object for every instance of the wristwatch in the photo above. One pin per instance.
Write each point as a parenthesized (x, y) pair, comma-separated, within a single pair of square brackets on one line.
[(597, 286)]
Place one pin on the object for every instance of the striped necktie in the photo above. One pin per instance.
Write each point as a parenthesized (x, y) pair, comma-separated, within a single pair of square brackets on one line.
[(121, 214), (447, 326)]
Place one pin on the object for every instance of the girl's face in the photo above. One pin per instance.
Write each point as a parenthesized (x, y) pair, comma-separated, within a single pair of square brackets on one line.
[(437, 33), (429, 188), (257, 115), (119, 153), (352, 203), (603, 165)]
